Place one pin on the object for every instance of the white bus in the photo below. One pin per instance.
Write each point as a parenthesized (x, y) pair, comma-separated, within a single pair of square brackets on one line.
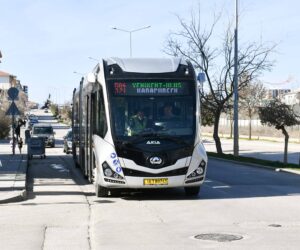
[(136, 125)]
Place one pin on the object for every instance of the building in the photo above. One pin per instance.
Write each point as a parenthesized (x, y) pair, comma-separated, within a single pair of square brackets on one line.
[(276, 93), (7, 81), (291, 98)]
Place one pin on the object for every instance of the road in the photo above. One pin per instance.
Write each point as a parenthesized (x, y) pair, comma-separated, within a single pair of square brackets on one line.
[(258, 207)]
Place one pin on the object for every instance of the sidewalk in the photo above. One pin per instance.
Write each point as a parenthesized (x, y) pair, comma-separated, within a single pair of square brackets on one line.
[(13, 171), (266, 150)]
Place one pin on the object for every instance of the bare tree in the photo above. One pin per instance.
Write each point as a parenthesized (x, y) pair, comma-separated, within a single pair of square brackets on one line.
[(251, 98), (280, 116), (195, 43)]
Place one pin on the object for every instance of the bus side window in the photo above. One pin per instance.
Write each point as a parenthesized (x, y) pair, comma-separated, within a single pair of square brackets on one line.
[(102, 116)]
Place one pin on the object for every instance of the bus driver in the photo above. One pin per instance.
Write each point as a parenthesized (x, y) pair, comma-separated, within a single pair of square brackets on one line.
[(137, 123)]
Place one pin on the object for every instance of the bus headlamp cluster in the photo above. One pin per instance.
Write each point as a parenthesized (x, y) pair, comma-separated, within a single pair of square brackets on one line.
[(199, 170), (108, 172)]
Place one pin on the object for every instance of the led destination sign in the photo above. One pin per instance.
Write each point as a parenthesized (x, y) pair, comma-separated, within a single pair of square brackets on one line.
[(150, 88)]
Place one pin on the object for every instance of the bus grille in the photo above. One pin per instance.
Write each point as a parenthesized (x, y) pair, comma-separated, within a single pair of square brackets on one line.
[(136, 173)]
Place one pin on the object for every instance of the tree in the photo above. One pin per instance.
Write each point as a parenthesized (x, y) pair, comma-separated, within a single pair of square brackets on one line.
[(54, 109), (207, 116), (5, 123), (66, 113), (250, 99), (194, 43), (280, 116)]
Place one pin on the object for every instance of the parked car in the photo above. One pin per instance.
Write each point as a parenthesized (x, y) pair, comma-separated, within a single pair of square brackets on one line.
[(32, 120), (45, 131), (68, 142)]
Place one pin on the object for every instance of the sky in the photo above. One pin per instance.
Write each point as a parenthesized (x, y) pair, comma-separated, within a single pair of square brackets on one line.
[(44, 41)]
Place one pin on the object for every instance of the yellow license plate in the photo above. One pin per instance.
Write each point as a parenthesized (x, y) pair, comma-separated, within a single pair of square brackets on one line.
[(161, 181)]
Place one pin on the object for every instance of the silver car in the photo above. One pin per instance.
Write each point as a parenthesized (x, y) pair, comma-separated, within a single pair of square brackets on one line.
[(45, 131)]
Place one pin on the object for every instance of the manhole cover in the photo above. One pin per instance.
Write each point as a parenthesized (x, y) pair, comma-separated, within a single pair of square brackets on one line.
[(218, 237), (274, 225)]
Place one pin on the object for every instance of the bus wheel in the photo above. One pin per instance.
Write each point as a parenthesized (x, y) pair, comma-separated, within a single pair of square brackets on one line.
[(192, 191), (101, 191)]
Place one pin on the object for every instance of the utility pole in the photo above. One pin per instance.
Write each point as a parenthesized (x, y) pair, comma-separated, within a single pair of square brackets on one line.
[(235, 87), (130, 35)]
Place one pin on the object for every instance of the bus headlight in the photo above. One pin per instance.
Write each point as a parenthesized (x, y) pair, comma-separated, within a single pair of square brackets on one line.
[(199, 170), (108, 172)]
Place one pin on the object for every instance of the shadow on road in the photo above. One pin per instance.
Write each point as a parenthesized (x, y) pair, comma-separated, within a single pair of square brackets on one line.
[(225, 180)]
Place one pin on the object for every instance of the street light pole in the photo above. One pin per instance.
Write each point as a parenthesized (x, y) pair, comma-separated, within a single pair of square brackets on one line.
[(94, 59), (130, 35), (78, 73), (130, 42), (235, 87)]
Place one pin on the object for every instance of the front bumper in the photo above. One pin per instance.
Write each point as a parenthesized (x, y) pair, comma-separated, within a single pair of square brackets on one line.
[(131, 182)]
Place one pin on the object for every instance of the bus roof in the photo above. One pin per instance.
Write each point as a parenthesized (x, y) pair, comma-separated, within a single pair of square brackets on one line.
[(147, 65)]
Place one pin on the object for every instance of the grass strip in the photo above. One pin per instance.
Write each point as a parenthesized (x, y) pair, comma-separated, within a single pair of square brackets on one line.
[(274, 164)]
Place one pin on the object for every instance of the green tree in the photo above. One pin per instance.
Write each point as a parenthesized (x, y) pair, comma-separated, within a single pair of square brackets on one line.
[(207, 115), (280, 116), (66, 113), (199, 44), (5, 123), (54, 109)]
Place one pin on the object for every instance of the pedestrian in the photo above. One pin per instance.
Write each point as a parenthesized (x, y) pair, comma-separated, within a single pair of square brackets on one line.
[(17, 131), (20, 144)]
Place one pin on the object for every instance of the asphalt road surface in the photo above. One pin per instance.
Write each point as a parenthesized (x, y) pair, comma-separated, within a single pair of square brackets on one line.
[(239, 207)]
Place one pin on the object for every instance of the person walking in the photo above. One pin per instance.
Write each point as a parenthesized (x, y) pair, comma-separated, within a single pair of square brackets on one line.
[(18, 130), (20, 144)]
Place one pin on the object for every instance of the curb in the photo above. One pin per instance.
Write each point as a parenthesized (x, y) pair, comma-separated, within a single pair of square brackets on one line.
[(14, 196), (258, 166)]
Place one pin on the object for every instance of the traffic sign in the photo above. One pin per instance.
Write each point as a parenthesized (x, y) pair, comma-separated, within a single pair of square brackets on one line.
[(13, 93), (13, 110)]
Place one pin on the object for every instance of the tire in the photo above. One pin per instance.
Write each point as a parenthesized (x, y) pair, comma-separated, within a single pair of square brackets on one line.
[(192, 191), (101, 191)]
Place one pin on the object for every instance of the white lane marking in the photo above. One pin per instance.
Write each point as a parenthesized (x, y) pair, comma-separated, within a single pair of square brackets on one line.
[(1, 164), (221, 186), (59, 167)]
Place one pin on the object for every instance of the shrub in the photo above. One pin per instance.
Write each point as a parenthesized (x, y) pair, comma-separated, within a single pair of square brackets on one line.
[(5, 123)]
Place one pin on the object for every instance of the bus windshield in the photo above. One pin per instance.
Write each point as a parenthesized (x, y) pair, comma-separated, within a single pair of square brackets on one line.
[(152, 108)]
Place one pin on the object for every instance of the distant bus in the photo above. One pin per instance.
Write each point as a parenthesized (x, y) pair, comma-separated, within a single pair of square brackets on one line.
[(136, 125)]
